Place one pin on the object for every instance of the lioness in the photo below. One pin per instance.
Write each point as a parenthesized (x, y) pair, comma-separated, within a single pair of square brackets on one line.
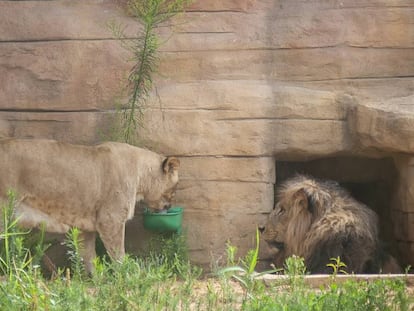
[(94, 188)]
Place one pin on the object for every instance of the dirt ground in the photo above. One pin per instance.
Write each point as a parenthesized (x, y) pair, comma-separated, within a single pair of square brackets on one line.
[(201, 288)]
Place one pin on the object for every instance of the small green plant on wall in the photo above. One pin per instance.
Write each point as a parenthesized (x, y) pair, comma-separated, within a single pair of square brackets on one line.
[(151, 14)]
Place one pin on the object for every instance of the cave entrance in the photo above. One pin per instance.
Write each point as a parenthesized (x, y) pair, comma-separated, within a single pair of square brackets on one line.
[(370, 181)]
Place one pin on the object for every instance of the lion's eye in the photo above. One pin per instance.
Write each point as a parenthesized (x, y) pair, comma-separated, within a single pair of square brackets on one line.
[(281, 211)]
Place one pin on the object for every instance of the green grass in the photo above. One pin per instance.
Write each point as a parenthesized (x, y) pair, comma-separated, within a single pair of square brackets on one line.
[(164, 279)]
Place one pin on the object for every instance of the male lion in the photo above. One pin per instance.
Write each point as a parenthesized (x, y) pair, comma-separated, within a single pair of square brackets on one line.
[(318, 221), (94, 188)]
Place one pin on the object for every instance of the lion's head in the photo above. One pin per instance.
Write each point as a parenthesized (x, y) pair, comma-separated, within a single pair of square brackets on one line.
[(300, 201), (318, 220), (161, 190)]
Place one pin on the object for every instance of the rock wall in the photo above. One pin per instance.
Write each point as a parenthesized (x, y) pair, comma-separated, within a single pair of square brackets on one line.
[(243, 84)]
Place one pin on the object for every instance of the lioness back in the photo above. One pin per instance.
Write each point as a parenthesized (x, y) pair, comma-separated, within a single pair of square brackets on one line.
[(63, 181)]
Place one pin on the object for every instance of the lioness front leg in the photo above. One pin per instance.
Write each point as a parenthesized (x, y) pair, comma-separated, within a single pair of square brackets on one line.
[(113, 238)]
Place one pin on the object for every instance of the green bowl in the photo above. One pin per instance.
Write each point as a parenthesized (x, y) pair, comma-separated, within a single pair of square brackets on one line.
[(169, 221)]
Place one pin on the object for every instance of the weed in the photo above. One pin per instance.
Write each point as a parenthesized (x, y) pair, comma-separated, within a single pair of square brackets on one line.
[(74, 244), (295, 269), (337, 266), (231, 252), (245, 272), (24, 288), (15, 254), (170, 249), (151, 14)]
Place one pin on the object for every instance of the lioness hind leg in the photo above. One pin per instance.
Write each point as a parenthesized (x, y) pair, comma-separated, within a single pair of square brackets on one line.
[(87, 250)]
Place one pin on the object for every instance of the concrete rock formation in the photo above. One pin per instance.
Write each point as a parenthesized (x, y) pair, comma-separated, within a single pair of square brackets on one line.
[(246, 87)]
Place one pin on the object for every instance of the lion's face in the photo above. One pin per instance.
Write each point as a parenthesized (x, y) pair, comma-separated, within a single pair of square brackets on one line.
[(162, 191), (289, 221), (160, 200), (274, 232)]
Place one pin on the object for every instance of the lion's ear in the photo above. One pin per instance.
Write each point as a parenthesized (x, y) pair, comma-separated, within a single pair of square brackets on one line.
[(170, 165), (305, 201), (302, 199)]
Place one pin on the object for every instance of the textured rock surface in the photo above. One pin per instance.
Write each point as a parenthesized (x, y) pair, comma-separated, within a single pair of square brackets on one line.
[(60, 75), (387, 125), (64, 126), (402, 212), (243, 84)]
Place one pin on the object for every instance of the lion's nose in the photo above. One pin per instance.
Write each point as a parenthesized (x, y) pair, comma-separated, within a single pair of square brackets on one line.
[(261, 229)]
